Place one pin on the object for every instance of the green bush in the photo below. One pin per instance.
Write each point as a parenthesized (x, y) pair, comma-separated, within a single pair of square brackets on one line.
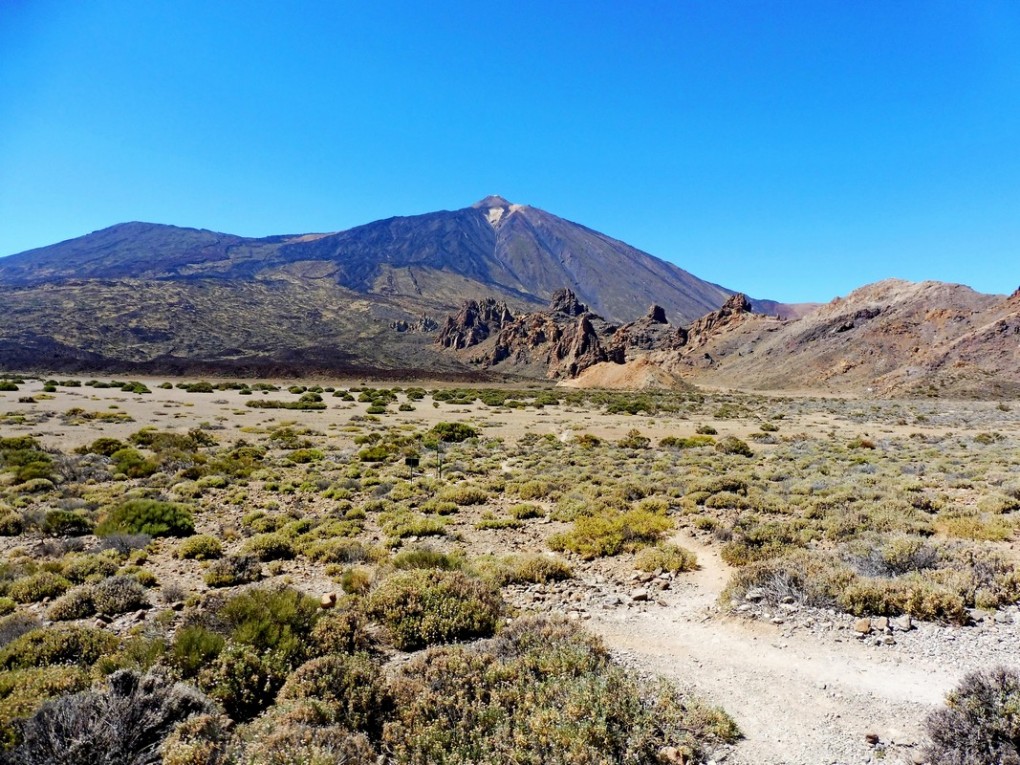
[(453, 432), (733, 445), (74, 604), (11, 523), (36, 587), (668, 557), (273, 620), (194, 647), (426, 606), (523, 569), (24, 691), (64, 523), (43, 647), (148, 516), (542, 692), (117, 595), (350, 688), (242, 681), (342, 629), (611, 533), (88, 566), (267, 547), (199, 547), (233, 570)]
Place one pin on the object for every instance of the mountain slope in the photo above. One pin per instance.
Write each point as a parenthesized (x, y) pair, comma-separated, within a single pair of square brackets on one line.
[(491, 249), (893, 337)]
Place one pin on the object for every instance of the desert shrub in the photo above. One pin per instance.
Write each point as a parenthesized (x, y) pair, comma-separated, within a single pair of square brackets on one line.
[(87, 566), (133, 463), (275, 741), (23, 691), (425, 606), (690, 442), (998, 503), (74, 604), (118, 594), (124, 724), (36, 587), (523, 569), (706, 430), (194, 647), (424, 557), (634, 440), (273, 620), (733, 445), (668, 557), (400, 524), (980, 723), (453, 432), (809, 578), (265, 547), (342, 629), (7, 606), (199, 740), (124, 544), (65, 523), (349, 686), (57, 645), (968, 525), (233, 570), (357, 580), (530, 489), (148, 516), (105, 446), (335, 551), (11, 523), (611, 532), (912, 594), (439, 507), (526, 511), (304, 456), (199, 547), (242, 681), (15, 625), (542, 692), (464, 494)]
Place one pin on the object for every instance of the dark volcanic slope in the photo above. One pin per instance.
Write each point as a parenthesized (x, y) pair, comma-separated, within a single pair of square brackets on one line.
[(157, 296), (492, 248)]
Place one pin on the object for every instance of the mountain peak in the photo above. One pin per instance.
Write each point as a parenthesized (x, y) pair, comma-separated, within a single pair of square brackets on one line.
[(493, 200)]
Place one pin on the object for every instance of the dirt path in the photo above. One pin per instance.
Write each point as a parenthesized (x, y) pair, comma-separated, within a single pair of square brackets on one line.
[(797, 698)]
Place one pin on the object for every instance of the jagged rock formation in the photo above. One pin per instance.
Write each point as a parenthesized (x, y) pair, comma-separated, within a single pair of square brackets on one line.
[(733, 311), (559, 342), (568, 338), (423, 325), (652, 332), (474, 323)]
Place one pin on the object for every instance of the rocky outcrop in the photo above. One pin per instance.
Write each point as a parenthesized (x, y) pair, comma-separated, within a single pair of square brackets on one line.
[(563, 341), (424, 325), (652, 332), (475, 321), (733, 311)]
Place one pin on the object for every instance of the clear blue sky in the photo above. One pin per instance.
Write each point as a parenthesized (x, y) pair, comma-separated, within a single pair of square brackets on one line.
[(793, 150)]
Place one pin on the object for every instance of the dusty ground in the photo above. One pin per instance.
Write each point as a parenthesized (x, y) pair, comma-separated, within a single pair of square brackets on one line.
[(800, 684)]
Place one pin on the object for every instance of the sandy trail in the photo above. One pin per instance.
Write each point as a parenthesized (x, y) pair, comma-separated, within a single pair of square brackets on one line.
[(797, 699)]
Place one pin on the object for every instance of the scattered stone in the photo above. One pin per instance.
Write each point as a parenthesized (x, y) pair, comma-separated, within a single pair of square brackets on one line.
[(639, 596), (872, 739), (862, 626), (754, 595), (881, 624), (328, 600), (903, 623)]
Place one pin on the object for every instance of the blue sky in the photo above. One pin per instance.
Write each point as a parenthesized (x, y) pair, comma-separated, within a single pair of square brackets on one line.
[(792, 150)]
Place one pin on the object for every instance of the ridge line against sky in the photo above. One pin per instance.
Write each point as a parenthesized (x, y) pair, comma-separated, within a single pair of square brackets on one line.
[(794, 151)]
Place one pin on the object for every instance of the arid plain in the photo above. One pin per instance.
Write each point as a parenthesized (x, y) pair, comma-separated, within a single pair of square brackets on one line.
[(824, 570)]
